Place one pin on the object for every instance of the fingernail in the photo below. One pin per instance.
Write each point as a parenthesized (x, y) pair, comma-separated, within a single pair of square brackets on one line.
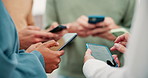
[(117, 45)]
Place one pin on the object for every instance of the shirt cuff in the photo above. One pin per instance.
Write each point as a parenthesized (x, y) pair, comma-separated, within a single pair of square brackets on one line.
[(40, 57), (92, 66)]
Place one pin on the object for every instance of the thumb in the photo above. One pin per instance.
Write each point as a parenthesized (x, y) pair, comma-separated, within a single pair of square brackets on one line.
[(51, 43), (88, 52), (120, 47), (55, 24)]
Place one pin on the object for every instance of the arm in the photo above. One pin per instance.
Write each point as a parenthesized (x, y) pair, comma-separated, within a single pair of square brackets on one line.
[(30, 20), (98, 69), (18, 65)]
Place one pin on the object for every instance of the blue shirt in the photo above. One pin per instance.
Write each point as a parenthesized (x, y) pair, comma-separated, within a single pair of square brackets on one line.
[(15, 63)]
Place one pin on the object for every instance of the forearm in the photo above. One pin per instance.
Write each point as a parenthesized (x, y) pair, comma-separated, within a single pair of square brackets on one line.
[(99, 69)]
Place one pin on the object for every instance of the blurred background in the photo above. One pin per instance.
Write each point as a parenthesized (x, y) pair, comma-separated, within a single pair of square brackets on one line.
[(38, 11)]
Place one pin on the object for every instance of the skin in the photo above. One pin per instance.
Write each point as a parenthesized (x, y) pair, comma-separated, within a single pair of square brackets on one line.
[(88, 56), (32, 34), (51, 58), (120, 43), (84, 29)]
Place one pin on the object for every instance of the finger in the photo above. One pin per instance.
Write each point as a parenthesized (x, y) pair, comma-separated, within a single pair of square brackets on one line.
[(116, 59), (83, 21), (120, 47), (43, 34), (106, 35), (60, 53), (83, 34), (123, 43), (88, 55), (50, 44), (85, 18), (33, 28), (38, 44), (98, 30), (37, 40), (105, 23), (113, 48), (88, 52), (54, 25), (120, 38)]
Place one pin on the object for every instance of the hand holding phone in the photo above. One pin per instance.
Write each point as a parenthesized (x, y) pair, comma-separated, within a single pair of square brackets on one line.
[(95, 19), (58, 29), (102, 53), (65, 40)]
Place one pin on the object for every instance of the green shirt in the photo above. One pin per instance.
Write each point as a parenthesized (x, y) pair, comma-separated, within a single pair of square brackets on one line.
[(65, 11)]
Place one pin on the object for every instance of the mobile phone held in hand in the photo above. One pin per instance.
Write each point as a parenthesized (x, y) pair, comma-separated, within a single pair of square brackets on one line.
[(102, 53), (65, 40), (58, 29), (95, 19)]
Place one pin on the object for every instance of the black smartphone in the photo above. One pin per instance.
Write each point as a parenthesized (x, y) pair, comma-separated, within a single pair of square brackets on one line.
[(58, 29), (95, 19), (101, 52), (66, 39)]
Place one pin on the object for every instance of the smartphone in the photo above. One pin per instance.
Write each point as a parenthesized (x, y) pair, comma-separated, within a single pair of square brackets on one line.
[(66, 39), (58, 29), (101, 52), (95, 19)]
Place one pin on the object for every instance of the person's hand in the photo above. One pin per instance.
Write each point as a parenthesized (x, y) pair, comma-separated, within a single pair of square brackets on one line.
[(54, 25), (32, 34), (51, 58), (102, 29), (120, 43), (80, 26), (88, 55), (33, 47)]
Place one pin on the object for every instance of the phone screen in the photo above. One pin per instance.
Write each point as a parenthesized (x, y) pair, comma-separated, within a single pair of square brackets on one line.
[(67, 38), (101, 52)]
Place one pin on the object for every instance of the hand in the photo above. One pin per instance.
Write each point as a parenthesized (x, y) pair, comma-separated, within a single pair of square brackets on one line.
[(33, 47), (106, 35), (80, 26), (120, 43), (88, 55), (32, 34), (61, 33), (118, 47), (102, 29), (51, 58)]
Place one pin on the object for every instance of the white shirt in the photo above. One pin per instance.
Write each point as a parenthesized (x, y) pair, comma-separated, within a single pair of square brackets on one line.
[(136, 57)]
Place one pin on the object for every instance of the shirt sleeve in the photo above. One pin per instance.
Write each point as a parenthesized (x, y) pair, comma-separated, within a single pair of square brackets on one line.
[(98, 69), (22, 65)]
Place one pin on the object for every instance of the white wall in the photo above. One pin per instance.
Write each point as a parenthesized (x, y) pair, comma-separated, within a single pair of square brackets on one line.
[(38, 11)]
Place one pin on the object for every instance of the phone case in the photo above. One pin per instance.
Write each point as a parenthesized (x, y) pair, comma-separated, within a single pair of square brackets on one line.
[(58, 29), (95, 19), (101, 52)]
